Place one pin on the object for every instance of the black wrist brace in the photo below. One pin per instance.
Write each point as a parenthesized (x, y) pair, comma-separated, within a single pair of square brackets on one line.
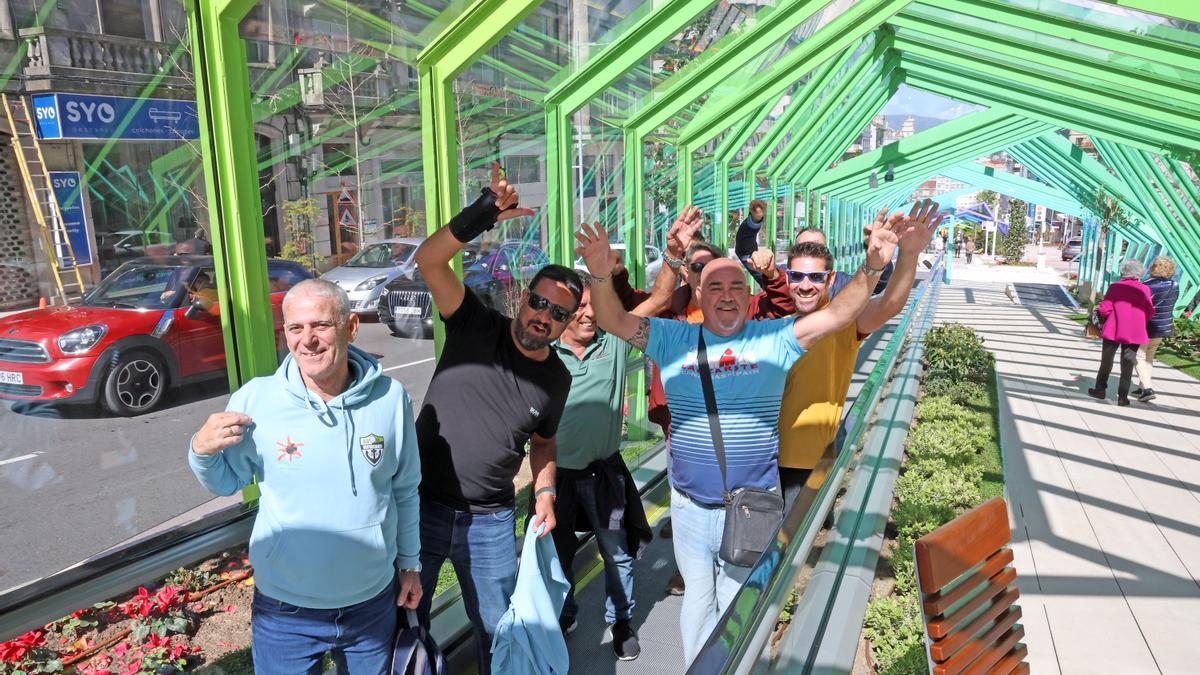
[(476, 218)]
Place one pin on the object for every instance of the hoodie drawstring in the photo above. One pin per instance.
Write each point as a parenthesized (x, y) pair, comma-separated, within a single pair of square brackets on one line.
[(348, 422)]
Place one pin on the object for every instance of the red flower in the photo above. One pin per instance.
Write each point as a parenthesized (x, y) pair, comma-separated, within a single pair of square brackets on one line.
[(120, 649), (153, 641), (133, 668), (15, 650), (139, 605), (168, 597), (178, 651)]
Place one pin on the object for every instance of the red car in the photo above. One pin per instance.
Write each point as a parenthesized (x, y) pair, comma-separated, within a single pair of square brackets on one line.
[(151, 324)]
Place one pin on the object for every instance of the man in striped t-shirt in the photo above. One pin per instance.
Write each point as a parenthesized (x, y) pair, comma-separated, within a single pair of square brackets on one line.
[(749, 362)]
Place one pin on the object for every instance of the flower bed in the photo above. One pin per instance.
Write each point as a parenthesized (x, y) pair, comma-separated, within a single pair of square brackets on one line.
[(952, 464), (189, 619)]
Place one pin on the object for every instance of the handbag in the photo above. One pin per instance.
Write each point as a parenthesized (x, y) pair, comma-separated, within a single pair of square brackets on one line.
[(752, 515), (414, 651), (1094, 324)]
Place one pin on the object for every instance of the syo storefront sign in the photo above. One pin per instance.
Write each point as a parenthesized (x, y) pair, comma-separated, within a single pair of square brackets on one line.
[(84, 116)]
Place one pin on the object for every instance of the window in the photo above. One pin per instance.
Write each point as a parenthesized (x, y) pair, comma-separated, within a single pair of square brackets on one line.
[(523, 168), (338, 158), (122, 17)]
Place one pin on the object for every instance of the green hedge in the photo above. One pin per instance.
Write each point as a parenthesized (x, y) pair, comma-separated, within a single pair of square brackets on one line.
[(952, 464)]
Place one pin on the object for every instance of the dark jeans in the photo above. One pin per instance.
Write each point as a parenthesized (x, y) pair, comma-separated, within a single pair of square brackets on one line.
[(618, 563), (1128, 362), (288, 640), (483, 549), (791, 481)]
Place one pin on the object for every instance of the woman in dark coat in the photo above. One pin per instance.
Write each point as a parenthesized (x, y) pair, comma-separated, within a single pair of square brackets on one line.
[(1164, 292)]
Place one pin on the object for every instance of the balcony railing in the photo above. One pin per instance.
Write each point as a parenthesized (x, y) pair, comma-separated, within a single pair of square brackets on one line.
[(55, 52)]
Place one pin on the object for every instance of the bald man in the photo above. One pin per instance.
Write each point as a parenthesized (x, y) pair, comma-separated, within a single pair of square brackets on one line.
[(748, 362)]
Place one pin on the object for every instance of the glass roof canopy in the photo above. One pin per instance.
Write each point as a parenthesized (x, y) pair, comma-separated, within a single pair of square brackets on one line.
[(635, 108)]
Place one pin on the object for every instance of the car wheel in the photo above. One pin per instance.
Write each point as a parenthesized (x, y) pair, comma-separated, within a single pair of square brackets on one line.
[(135, 384)]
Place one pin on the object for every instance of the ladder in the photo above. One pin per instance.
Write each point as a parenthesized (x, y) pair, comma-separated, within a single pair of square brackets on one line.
[(68, 282)]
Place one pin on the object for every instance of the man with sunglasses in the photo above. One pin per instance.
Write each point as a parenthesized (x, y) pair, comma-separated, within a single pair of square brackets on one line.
[(498, 385), (749, 364), (815, 394)]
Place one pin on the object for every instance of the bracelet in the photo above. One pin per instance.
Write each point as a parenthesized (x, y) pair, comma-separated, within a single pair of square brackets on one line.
[(552, 491), (599, 280), (673, 263), (871, 271)]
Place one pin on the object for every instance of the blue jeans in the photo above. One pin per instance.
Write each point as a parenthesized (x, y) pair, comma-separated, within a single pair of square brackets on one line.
[(287, 640), (483, 549), (618, 564), (710, 583)]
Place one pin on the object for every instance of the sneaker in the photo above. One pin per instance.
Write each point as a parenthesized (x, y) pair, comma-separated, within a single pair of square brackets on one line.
[(1137, 392), (1145, 395), (1097, 393), (625, 640), (675, 585), (568, 624)]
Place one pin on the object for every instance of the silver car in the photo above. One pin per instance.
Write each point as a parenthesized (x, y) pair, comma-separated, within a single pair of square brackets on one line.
[(364, 276)]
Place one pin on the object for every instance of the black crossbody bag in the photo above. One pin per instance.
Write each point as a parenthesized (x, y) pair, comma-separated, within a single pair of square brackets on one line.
[(752, 515)]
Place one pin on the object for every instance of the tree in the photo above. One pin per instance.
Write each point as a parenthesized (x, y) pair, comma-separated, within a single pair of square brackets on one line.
[(1013, 245), (1109, 209), (300, 216), (991, 199)]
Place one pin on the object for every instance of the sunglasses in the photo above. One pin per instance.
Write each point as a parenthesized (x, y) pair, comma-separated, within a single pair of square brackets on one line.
[(818, 278), (698, 267), (539, 304)]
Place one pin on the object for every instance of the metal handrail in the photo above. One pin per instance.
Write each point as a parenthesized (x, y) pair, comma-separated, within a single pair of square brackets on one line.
[(743, 631)]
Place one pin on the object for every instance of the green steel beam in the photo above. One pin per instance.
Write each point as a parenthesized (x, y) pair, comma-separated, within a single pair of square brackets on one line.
[(1015, 186), (231, 185), (943, 31), (479, 27), (1180, 9), (631, 47)]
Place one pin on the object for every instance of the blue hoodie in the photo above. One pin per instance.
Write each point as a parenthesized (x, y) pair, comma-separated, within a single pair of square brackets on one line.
[(339, 504)]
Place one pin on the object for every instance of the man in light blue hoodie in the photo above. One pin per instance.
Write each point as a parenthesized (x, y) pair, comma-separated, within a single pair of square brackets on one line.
[(336, 544)]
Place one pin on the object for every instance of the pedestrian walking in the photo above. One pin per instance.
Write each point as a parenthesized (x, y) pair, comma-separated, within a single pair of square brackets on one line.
[(970, 244), (331, 442), (1125, 311), (1164, 292)]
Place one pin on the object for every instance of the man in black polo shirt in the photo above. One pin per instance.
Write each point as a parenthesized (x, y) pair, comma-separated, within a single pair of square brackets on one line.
[(497, 386)]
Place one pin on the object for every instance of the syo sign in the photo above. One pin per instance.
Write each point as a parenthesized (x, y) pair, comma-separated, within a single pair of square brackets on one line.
[(103, 117)]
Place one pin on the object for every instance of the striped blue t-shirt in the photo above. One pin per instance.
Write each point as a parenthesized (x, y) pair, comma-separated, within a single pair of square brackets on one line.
[(749, 371)]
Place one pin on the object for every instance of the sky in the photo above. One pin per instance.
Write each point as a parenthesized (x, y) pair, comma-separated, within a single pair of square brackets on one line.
[(910, 101)]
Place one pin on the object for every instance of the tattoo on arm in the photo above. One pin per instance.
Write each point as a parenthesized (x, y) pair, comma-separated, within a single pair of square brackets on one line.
[(642, 335)]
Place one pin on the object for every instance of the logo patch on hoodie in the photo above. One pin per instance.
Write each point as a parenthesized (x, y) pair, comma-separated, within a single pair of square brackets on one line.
[(289, 450), (372, 448)]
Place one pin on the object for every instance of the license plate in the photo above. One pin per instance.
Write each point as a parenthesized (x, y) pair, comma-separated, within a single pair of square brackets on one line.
[(9, 377), (416, 311)]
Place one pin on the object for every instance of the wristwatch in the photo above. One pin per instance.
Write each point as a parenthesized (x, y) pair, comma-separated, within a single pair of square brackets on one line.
[(871, 271), (673, 263), (552, 491)]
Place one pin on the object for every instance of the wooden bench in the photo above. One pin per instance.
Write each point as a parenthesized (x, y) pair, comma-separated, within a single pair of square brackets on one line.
[(968, 595)]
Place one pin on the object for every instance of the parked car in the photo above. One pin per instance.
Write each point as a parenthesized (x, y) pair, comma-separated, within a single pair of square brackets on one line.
[(1072, 249), (496, 274), (124, 345), (123, 245), (653, 262), (364, 275)]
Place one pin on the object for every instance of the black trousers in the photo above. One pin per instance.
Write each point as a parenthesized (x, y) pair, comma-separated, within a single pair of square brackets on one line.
[(1128, 362)]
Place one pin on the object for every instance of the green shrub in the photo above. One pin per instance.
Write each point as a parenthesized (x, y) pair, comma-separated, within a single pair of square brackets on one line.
[(932, 483), (939, 409), (957, 441), (956, 352), (893, 625), (959, 391), (1185, 339)]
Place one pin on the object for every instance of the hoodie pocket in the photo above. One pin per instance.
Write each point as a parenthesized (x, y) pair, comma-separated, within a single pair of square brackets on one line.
[(334, 565)]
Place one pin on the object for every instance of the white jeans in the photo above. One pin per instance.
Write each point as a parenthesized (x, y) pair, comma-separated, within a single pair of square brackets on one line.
[(1145, 363)]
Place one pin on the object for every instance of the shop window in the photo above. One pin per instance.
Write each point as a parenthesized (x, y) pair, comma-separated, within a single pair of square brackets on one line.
[(123, 17)]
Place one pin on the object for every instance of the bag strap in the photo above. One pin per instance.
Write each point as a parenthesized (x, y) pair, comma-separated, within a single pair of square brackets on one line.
[(710, 404)]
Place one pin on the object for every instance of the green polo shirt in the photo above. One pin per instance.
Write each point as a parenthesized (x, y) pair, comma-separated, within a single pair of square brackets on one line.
[(590, 428)]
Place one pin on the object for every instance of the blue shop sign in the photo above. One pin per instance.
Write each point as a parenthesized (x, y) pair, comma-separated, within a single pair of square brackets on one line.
[(104, 117), (66, 186)]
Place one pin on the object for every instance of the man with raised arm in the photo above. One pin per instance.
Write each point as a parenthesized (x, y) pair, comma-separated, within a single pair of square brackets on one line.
[(498, 385), (749, 366), (809, 421)]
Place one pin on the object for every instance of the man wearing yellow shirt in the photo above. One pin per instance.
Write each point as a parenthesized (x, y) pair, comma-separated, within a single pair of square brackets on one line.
[(815, 392)]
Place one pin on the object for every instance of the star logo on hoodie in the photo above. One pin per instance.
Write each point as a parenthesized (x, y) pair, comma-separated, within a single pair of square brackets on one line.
[(289, 449)]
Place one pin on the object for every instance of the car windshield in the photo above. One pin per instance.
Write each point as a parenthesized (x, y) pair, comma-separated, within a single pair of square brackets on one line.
[(141, 287), (382, 255)]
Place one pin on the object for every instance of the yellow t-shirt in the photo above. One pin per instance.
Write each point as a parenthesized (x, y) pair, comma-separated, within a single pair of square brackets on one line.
[(814, 396)]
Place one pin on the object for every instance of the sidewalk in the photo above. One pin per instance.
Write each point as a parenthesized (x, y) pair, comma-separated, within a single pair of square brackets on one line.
[(1104, 500)]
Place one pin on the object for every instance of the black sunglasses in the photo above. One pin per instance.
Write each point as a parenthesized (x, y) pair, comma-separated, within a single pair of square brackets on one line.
[(818, 278), (698, 267), (539, 304)]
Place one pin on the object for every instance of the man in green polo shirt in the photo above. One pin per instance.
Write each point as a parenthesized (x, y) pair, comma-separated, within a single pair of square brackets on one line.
[(596, 492)]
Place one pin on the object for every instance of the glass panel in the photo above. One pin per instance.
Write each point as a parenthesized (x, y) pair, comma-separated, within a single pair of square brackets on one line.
[(103, 188)]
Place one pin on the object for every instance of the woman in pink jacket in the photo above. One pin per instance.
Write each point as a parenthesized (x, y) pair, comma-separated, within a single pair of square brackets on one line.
[(1125, 310)]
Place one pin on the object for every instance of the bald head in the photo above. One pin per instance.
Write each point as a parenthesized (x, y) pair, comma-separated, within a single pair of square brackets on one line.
[(724, 296), (320, 289), (811, 234)]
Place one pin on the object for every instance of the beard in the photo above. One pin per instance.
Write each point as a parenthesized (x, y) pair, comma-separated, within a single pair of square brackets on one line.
[(531, 341)]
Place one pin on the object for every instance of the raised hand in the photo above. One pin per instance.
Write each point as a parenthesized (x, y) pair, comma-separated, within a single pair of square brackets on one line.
[(763, 262), (506, 196), (758, 209), (684, 230), (883, 238), (918, 226), (591, 243)]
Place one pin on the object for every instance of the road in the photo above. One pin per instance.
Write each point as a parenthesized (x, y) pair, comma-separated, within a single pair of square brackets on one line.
[(75, 481)]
